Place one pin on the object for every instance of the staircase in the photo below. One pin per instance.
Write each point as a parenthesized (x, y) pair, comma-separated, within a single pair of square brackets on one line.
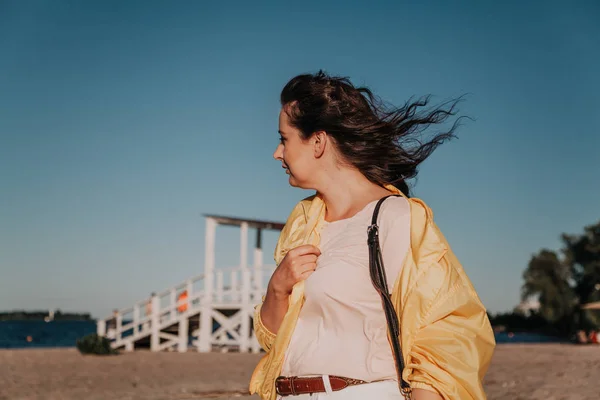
[(208, 312), (170, 321)]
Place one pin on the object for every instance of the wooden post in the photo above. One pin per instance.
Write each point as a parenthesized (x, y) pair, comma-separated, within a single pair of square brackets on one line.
[(245, 303), (136, 319), (173, 303), (183, 335), (101, 327), (118, 326), (155, 323), (204, 340)]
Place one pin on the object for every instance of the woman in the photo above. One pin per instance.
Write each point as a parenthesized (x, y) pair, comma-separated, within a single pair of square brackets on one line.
[(322, 322)]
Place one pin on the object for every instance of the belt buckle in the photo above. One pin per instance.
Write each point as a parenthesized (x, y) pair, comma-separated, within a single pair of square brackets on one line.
[(276, 386), (291, 380), (279, 378)]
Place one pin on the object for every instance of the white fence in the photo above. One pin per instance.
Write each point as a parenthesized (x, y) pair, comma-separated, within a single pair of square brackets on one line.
[(185, 314)]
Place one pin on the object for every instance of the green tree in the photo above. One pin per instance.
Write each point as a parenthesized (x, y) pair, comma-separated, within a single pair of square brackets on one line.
[(547, 278), (563, 285), (582, 254)]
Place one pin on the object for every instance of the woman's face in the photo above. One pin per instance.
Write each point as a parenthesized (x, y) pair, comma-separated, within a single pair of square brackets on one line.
[(297, 155)]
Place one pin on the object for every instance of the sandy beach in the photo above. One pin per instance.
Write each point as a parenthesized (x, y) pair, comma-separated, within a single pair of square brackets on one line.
[(540, 371)]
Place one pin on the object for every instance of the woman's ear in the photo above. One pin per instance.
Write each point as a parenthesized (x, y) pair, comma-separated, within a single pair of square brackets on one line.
[(320, 142)]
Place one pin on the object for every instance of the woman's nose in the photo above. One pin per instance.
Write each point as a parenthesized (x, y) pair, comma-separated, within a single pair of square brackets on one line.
[(278, 154)]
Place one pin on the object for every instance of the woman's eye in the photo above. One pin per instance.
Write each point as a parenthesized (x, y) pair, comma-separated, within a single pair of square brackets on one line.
[(281, 140)]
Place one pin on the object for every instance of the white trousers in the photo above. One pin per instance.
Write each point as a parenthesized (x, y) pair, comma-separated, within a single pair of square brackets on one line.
[(383, 390)]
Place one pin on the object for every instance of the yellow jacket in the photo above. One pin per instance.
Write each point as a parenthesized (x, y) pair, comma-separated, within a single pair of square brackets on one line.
[(446, 337)]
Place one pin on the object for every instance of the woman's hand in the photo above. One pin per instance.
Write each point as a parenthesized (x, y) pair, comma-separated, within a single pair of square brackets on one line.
[(297, 265)]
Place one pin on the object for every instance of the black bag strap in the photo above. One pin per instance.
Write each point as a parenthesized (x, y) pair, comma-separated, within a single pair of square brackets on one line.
[(379, 279)]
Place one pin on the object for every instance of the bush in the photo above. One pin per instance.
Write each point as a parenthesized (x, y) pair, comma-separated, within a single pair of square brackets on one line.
[(95, 344)]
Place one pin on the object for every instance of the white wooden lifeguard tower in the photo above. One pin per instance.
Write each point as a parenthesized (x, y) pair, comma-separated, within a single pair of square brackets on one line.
[(212, 311)]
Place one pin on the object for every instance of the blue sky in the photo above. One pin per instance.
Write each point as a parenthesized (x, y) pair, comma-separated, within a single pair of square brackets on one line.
[(121, 123)]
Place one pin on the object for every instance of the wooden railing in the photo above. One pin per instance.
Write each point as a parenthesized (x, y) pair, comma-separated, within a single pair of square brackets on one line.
[(231, 288)]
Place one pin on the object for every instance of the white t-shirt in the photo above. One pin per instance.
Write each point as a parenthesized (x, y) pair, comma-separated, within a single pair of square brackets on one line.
[(342, 329)]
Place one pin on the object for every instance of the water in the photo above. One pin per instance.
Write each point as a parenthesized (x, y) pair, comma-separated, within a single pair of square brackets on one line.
[(504, 337), (13, 334)]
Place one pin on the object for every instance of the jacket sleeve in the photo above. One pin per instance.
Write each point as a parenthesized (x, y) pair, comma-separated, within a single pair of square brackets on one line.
[(265, 337), (451, 352), (289, 237)]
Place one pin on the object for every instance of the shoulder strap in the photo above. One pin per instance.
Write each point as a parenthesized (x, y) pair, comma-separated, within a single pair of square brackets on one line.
[(379, 279)]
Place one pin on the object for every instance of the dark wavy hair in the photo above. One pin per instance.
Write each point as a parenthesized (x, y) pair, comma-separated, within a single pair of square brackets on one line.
[(382, 141)]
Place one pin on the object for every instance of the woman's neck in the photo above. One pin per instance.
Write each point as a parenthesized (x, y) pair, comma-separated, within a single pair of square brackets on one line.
[(348, 192)]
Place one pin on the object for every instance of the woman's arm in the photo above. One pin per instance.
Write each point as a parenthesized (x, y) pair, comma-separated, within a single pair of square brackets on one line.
[(273, 309), (276, 307), (421, 394)]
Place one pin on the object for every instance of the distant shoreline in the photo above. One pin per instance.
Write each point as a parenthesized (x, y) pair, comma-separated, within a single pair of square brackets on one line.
[(44, 316)]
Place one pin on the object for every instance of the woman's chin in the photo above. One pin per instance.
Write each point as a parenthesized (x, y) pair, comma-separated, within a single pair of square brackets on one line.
[(300, 185), (292, 180)]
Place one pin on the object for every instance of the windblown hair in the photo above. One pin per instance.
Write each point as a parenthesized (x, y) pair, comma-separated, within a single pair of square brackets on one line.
[(381, 141)]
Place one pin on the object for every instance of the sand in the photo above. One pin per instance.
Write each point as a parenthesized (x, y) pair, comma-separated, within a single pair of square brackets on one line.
[(517, 372)]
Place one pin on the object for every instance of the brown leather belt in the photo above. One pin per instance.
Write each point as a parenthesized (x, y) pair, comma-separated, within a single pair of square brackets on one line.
[(295, 385)]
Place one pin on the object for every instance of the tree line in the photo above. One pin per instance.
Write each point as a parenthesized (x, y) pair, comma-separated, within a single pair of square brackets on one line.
[(562, 282)]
